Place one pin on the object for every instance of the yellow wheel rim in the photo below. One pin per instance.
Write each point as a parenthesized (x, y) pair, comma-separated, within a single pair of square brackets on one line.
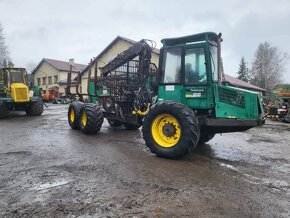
[(84, 118), (166, 130), (72, 115)]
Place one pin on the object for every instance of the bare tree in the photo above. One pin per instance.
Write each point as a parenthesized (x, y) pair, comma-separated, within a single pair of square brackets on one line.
[(268, 66), (30, 66), (4, 55)]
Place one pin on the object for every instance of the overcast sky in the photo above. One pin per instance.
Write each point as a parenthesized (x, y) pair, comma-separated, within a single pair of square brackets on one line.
[(82, 29)]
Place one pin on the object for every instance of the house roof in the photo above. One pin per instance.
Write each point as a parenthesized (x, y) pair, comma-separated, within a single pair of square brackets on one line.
[(60, 65), (241, 84), (155, 50)]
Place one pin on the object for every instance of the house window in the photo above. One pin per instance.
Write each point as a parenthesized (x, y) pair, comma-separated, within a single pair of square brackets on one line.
[(43, 80), (55, 79), (50, 80), (38, 81)]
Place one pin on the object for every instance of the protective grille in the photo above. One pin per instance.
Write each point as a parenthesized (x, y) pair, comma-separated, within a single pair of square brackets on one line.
[(232, 97), (21, 94), (126, 79)]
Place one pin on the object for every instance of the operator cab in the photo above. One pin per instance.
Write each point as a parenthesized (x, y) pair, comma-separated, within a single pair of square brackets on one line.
[(188, 65), (13, 75), (185, 60), (16, 76)]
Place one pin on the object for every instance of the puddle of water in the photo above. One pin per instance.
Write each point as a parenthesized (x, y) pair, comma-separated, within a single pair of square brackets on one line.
[(281, 185), (228, 166), (53, 184), (278, 184)]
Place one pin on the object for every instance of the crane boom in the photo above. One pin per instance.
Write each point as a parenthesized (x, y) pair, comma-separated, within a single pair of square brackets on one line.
[(141, 48)]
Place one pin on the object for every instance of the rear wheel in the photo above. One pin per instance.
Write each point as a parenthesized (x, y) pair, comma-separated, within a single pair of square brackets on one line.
[(170, 130), (4, 111), (74, 114), (35, 108), (91, 119)]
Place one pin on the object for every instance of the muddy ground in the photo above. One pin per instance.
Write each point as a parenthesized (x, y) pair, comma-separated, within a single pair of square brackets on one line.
[(47, 169)]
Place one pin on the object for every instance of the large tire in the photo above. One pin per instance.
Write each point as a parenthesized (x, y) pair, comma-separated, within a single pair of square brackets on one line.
[(91, 119), (73, 114), (170, 130), (4, 111), (114, 123), (35, 108), (205, 137)]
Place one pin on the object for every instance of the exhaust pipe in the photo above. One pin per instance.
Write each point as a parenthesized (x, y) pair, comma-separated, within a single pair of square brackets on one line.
[(219, 57)]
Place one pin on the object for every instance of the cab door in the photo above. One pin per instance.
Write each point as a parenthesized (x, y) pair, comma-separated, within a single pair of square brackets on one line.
[(197, 93)]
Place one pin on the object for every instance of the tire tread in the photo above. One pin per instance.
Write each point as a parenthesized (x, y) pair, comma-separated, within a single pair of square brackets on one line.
[(95, 119), (190, 133)]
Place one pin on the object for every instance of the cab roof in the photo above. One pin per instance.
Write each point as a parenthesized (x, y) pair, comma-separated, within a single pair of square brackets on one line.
[(12, 68), (211, 36)]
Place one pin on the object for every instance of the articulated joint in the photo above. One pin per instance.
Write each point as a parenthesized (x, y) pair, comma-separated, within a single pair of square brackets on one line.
[(141, 113)]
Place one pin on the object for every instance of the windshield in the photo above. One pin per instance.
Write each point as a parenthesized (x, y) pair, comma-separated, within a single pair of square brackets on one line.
[(172, 66), (192, 66), (195, 68), (213, 58), (16, 76)]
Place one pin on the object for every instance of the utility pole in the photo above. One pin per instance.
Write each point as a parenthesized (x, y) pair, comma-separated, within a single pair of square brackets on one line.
[(71, 64)]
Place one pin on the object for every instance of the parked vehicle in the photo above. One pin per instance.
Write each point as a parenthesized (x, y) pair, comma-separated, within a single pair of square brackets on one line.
[(180, 105), (15, 94)]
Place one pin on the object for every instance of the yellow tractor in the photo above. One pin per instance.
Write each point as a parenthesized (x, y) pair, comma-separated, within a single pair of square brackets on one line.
[(15, 94)]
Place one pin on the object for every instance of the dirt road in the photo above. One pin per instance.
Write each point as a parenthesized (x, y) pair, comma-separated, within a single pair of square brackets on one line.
[(47, 169)]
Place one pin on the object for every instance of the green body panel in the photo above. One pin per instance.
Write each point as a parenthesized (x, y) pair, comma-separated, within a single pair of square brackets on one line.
[(237, 103), (227, 102), (196, 97), (94, 99), (171, 92)]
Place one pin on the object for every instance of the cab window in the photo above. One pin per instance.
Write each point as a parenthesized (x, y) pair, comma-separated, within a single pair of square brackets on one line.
[(194, 66), (172, 66), (16, 76)]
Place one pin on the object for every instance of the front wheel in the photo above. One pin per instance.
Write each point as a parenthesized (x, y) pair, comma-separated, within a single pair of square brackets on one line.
[(170, 130), (35, 108), (4, 111)]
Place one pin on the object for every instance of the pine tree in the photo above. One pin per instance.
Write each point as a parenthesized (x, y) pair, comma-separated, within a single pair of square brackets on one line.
[(243, 72)]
